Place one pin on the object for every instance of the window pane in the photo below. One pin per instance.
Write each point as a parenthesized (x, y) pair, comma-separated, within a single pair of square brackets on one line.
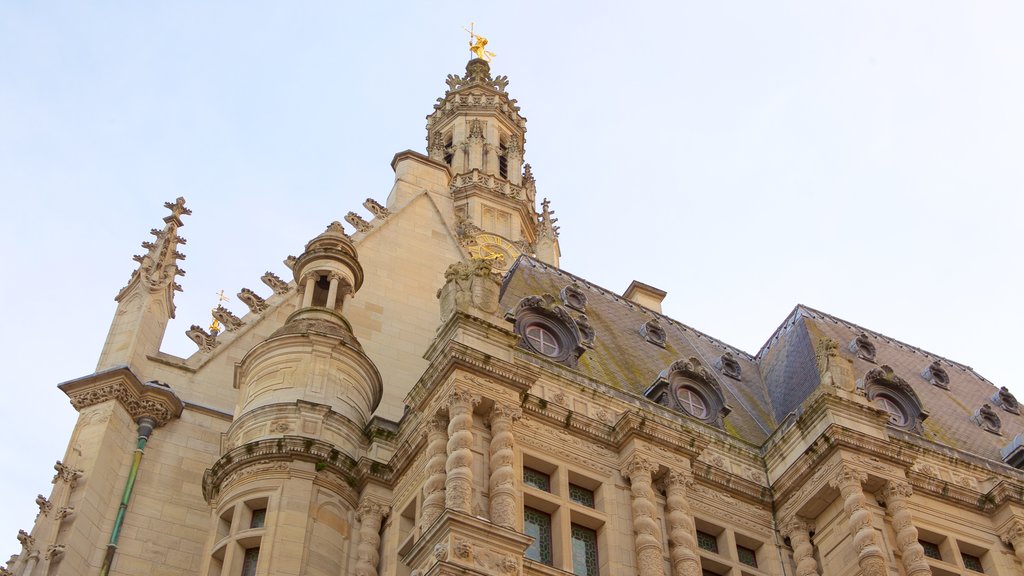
[(537, 479), (581, 495), (707, 542), (972, 562), (537, 524), (258, 518), (584, 551), (931, 550), (746, 556), (252, 555)]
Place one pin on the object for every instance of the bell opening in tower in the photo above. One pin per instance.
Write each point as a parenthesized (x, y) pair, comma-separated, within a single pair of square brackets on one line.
[(503, 157)]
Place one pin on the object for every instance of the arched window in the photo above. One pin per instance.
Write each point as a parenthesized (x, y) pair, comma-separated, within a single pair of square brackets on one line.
[(692, 402), (546, 328), (542, 340), (897, 417), (503, 157), (449, 150), (894, 396)]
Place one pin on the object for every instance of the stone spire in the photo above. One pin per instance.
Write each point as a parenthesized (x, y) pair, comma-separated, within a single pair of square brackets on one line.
[(146, 303)]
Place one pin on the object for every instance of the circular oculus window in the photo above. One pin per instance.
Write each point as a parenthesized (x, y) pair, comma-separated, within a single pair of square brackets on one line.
[(543, 340), (692, 402), (897, 417)]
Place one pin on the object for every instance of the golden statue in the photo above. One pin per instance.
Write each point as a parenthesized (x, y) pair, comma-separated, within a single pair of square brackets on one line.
[(477, 44)]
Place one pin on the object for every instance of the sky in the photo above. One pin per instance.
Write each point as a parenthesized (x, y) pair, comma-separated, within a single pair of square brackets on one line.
[(862, 158)]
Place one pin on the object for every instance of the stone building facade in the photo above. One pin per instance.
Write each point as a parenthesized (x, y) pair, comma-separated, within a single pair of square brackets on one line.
[(477, 410)]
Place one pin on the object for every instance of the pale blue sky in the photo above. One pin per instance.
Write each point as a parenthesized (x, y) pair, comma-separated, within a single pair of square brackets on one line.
[(863, 158)]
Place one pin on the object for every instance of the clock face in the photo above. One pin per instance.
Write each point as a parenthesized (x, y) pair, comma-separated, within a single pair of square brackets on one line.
[(500, 252)]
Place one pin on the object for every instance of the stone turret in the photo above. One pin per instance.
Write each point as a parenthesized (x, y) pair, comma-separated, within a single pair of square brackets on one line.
[(305, 396)]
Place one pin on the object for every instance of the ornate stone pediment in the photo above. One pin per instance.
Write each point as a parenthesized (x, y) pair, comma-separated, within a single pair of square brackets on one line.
[(151, 399)]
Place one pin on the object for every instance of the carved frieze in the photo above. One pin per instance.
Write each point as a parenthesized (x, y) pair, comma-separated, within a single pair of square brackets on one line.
[(151, 399)]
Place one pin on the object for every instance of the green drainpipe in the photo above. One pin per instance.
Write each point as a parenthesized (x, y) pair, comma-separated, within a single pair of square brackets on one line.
[(146, 425)]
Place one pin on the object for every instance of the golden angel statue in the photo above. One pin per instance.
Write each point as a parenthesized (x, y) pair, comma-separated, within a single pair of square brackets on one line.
[(477, 43)]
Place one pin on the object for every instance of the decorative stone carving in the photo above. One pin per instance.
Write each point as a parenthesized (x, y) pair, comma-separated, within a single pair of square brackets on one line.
[(798, 530), (729, 366), (151, 399), (227, 318), (66, 474), (26, 540), (883, 380), (1013, 535), (476, 179), (64, 513), (503, 503), (1006, 400), (653, 332), (824, 351), (987, 418), (466, 231), (440, 552), (275, 283), (158, 267), (683, 374), (376, 209), (546, 221), (459, 466), (463, 548), (574, 297), (370, 514), (357, 222), (55, 552), (683, 553), (469, 286), (862, 347), (897, 493), (253, 300), (44, 505), (433, 487), (935, 374), (203, 339), (645, 520), (289, 262), (545, 310), (587, 333), (865, 539)]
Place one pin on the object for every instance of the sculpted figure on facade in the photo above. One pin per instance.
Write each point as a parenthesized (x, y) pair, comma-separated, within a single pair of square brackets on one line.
[(253, 300), (1013, 535), (469, 286)]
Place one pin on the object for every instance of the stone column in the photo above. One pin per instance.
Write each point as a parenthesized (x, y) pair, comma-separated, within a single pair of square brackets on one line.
[(865, 539), (370, 515), (332, 292), (798, 531), (645, 523), (433, 488), (502, 482), (1013, 535), (458, 486), (307, 296), (897, 494), (684, 557)]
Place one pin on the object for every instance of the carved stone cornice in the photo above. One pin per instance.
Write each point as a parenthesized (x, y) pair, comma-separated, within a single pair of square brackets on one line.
[(450, 355), (139, 399)]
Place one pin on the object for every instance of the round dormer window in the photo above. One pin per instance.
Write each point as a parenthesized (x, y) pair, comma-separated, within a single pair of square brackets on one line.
[(692, 402), (897, 417), (542, 340)]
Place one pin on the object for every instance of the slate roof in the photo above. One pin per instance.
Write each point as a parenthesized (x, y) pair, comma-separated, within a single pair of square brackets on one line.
[(776, 380), (623, 359)]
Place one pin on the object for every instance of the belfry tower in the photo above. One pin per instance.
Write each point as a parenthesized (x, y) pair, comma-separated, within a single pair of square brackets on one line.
[(477, 130)]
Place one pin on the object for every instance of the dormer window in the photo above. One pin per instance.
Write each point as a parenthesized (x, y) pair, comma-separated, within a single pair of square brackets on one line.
[(897, 417), (542, 340), (692, 402)]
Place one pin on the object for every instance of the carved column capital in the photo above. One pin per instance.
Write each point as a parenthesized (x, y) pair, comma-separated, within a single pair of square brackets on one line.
[(638, 465), (796, 524), (372, 510), (897, 489), (506, 411), (846, 477), (1013, 534), (463, 398), (679, 478)]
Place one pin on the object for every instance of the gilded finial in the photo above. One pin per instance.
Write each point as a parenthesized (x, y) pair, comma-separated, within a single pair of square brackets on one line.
[(477, 44), (215, 326)]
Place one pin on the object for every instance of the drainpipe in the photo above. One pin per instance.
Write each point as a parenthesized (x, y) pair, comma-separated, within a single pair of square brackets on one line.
[(146, 425)]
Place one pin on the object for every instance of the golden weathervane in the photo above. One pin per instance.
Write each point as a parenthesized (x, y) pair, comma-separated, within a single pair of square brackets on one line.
[(215, 326), (477, 44)]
